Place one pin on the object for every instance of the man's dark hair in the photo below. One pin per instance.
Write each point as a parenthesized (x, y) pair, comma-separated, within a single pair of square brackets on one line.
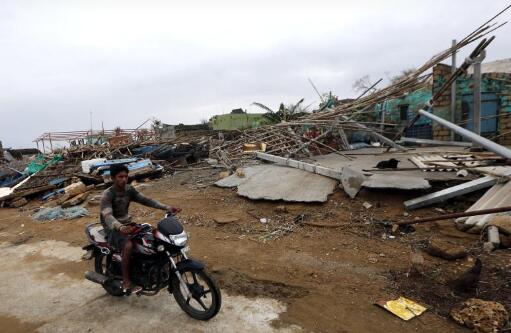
[(116, 168)]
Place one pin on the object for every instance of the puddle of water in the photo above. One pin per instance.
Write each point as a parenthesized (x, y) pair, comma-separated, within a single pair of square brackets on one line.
[(67, 304)]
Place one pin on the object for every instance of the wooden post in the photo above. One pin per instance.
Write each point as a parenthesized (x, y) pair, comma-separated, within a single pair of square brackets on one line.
[(383, 110), (51, 145)]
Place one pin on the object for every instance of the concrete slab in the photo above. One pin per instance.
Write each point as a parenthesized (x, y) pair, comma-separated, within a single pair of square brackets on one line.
[(396, 182), (351, 181), (272, 182), (367, 158)]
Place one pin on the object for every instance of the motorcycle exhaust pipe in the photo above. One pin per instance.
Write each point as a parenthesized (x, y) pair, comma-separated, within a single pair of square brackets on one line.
[(95, 277)]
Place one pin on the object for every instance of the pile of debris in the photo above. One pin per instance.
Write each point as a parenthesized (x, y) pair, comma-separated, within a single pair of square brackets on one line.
[(89, 155)]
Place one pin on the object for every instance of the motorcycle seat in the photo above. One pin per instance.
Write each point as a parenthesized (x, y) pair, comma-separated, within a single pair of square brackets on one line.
[(98, 234)]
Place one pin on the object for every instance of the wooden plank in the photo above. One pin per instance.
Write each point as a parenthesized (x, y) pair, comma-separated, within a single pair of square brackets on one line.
[(28, 192)]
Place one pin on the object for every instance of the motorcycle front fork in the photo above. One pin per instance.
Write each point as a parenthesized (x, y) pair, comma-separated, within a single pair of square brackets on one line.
[(179, 276)]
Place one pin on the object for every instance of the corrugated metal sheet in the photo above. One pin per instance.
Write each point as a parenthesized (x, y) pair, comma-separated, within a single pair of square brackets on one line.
[(497, 196)]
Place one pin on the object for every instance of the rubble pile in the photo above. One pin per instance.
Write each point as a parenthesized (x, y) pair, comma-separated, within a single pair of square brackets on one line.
[(31, 174)]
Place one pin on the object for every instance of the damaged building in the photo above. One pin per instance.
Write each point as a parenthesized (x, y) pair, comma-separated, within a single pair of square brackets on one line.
[(495, 89)]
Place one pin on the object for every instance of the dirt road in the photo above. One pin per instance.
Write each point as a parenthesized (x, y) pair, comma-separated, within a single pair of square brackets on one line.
[(47, 293), (296, 278)]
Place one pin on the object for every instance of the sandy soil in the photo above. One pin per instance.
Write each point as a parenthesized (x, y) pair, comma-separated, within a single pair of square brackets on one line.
[(321, 272)]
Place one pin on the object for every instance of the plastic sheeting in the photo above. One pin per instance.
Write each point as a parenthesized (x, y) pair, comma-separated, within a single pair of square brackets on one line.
[(58, 213), (40, 164)]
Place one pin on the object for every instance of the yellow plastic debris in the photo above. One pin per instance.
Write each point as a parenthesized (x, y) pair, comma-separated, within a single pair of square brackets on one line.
[(403, 308)]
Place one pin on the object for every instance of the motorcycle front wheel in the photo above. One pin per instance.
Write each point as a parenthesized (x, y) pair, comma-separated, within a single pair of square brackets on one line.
[(204, 300)]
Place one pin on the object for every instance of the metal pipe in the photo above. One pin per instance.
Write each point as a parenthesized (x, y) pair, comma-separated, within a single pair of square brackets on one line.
[(477, 139), (453, 87), (456, 215), (477, 93)]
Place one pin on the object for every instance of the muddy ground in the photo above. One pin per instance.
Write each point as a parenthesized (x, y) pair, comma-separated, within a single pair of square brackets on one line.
[(310, 268)]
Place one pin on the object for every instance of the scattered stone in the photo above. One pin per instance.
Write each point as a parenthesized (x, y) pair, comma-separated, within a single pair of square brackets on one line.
[(503, 222), (263, 220), (416, 261), (481, 316), (462, 173), (225, 219), (488, 247), (406, 214), (367, 205), (240, 172), (446, 250), (493, 235), (281, 209), (440, 210), (223, 174)]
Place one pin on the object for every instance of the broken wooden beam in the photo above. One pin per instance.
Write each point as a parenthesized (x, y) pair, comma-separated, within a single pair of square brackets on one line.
[(317, 169), (450, 192)]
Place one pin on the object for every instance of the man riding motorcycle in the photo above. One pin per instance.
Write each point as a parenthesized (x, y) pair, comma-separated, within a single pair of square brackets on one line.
[(116, 220)]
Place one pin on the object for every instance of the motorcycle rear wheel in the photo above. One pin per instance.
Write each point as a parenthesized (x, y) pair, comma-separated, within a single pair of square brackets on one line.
[(201, 287)]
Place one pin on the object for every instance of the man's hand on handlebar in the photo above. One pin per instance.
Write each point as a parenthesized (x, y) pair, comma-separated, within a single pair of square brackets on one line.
[(173, 210), (126, 229)]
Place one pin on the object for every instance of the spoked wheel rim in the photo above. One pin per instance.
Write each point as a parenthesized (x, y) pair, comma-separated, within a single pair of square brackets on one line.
[(200, 298), (204, 300)]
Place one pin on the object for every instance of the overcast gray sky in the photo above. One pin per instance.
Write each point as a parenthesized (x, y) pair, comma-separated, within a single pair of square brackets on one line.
[(181, 62)]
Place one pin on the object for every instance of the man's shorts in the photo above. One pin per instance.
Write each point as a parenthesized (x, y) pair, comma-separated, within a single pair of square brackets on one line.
[(117, 239)]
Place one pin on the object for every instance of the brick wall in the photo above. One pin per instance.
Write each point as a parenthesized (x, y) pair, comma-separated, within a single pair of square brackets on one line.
[(442, 107), (505, 127)]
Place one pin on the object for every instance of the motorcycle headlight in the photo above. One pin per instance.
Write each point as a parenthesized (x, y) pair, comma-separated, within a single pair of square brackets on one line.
[(179, 240), (160, 248)]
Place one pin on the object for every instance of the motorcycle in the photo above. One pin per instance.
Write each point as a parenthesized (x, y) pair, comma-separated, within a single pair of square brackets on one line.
[(158, 261)]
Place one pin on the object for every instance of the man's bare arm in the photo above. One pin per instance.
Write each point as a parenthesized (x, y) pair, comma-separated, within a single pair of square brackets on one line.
[(143, 200), (107, 212)]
